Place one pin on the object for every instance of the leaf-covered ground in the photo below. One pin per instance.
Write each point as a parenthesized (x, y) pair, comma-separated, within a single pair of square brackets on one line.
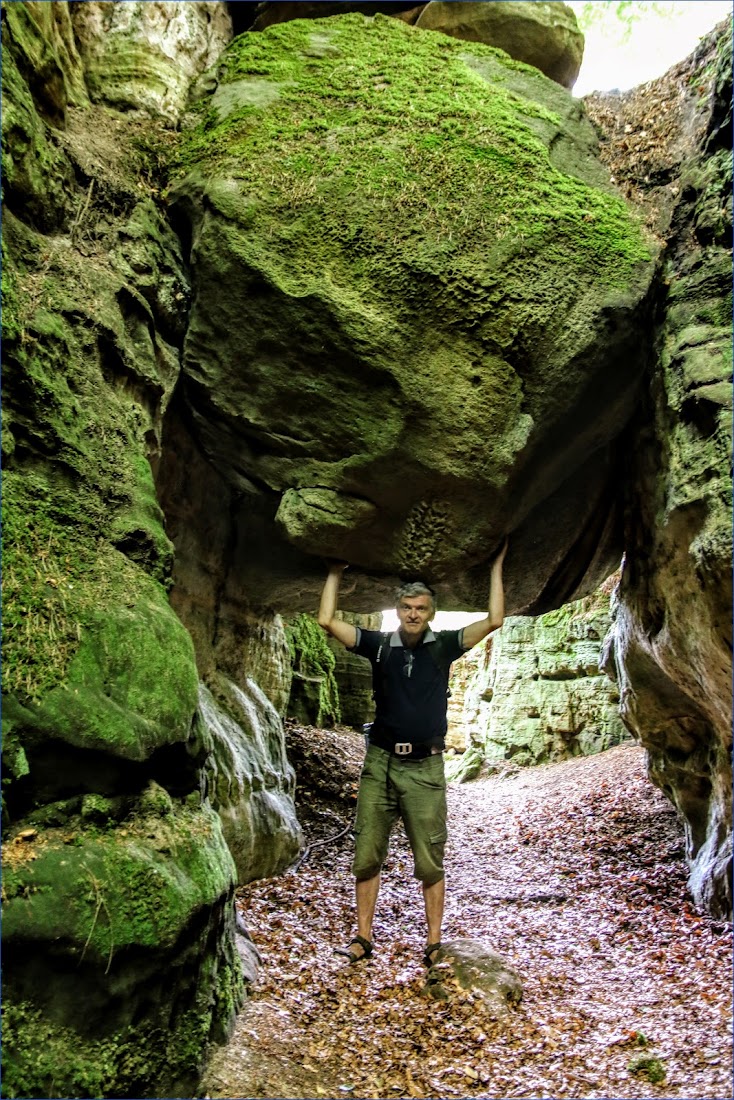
[(574, 872)]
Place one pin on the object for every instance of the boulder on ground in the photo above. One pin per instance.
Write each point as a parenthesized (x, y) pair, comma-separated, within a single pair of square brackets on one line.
[(472, 965)]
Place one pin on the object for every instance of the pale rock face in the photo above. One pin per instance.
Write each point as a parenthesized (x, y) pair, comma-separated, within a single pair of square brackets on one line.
[(544, 35), (145, 55), (537, 693), (251, 784)]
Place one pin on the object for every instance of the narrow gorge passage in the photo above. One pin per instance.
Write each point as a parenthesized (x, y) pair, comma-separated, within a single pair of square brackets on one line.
[(573, 872)]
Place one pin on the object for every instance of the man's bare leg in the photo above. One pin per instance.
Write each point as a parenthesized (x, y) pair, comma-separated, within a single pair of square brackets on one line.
[(366, 891), (433, 898)]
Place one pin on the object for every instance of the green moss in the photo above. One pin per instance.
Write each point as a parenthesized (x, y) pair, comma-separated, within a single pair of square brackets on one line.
[(134, 903), (44, 1059), (114, 891), (653, 1069), (395, 178), (312, 658), (93, 651), (86, 498), (130, 689), (36, 173)]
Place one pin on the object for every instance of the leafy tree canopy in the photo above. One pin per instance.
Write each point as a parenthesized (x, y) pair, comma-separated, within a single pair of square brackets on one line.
[(618, 18)]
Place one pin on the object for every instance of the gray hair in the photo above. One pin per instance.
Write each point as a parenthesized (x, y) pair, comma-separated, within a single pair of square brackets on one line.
[(414, 588)]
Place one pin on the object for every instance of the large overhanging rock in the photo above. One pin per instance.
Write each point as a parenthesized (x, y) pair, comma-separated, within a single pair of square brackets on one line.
[(419, 314), (545, 35)]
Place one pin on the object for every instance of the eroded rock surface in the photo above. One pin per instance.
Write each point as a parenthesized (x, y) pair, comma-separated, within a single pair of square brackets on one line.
[(537, 694), (544, 35), (119, 961), (249, 778), (144, 56), (670, 646), (433, 327)]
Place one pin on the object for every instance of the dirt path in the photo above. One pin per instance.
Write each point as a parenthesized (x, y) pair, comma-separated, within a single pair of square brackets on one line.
[(573, 872)]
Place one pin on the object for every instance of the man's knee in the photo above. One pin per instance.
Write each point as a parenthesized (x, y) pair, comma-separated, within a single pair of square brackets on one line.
[(370, 850)]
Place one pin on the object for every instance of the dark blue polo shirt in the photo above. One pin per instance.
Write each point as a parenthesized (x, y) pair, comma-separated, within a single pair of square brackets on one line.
[(410, 684)]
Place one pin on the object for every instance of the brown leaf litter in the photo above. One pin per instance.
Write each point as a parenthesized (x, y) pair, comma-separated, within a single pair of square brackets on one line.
[(573, 872)]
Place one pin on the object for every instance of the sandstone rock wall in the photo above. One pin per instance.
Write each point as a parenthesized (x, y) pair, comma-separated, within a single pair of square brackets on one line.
[(249, 779), (670, 645), (537, 693), (354, 675), (119, 961)]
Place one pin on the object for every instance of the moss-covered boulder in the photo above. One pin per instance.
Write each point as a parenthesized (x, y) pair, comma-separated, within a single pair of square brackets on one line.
[(544, 35), (432, 331), (113, 964)]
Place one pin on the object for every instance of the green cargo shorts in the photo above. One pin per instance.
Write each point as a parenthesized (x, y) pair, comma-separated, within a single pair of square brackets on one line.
[(390, 788)]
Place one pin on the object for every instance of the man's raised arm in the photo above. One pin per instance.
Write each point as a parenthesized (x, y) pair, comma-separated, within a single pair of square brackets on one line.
[(496, 610), (345, 633)]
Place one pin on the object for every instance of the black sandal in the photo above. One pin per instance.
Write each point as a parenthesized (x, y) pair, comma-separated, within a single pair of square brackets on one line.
[(363, 943), (430, 950)]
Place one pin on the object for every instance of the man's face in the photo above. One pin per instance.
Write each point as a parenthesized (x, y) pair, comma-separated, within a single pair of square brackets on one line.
[(414, 615)]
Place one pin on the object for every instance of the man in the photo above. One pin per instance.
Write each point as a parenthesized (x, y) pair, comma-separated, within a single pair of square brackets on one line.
[(403, 774)]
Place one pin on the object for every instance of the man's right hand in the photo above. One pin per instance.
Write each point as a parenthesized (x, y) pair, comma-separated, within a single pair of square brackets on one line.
[(345, 633)]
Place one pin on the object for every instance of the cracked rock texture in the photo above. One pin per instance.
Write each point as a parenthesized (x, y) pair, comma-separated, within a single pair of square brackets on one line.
[(670, 645)]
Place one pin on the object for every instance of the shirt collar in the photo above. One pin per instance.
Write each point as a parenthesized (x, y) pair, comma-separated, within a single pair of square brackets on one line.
[(396, 640)]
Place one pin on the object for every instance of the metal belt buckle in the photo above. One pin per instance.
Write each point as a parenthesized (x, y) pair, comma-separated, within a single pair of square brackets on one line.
[(404, 748)]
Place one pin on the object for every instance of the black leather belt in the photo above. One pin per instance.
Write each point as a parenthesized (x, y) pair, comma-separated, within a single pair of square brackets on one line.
[(404, 750)]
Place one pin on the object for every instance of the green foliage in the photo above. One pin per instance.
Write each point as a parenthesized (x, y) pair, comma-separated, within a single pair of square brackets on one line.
[(619, 18), (311, 657), (649, 1067)]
